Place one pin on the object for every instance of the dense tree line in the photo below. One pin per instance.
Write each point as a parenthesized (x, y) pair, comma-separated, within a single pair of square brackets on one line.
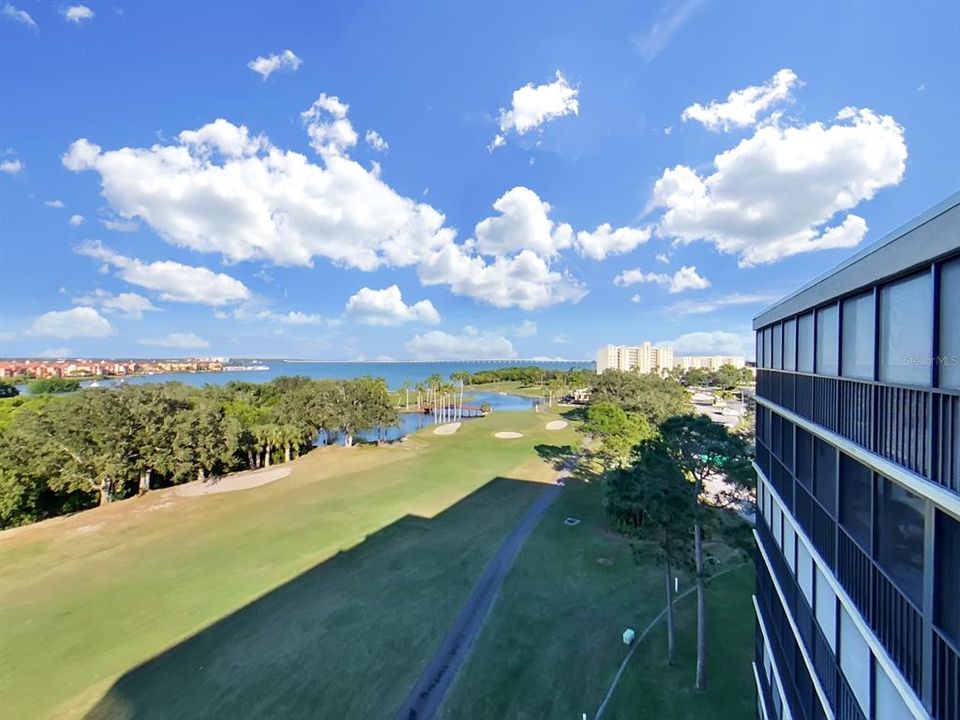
[(532, 375), (727, 377), (62, 453)]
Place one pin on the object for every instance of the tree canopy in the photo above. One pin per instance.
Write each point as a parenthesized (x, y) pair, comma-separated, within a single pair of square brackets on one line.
[(62, 453)]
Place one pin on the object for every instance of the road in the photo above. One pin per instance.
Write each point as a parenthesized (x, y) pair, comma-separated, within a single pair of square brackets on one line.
[(427, 695)]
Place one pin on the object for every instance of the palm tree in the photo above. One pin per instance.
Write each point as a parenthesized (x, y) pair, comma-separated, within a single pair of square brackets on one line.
[(407, 385), (460, 376)]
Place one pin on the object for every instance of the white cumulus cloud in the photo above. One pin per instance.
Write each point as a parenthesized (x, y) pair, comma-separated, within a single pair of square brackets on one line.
[(11, 167), (76, 220), (742, 107), (533, 105), (470, 345), (129, 305), (54, 203), (386, 307), (686, 278), (76, 323), (265, 66), (173, 281), (772, 195), (606, 241), (180, 341), (78, 14), (525, 280), (702, 307), (523, 224), (219, 189)]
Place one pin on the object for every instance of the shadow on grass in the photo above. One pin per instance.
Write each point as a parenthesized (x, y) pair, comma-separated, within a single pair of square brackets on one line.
[(560, 457), (347, 638)]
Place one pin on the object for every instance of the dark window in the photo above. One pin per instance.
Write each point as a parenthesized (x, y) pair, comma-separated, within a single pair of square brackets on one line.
[(768, 347), (828, 335), (899, 548), (946, 577), (805, 458), (855, 491), (858, 343), (825, 487), (805, 343), (786, 432), (760, 349), (776, 437)]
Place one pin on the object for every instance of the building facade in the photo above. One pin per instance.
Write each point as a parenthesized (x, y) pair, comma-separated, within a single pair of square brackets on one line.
[(643, 358), (858, 463), (711, 363)]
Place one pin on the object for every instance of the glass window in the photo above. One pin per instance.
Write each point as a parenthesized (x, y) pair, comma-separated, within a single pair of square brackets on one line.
[(827, 336), (900, 529), (906, 327), (767, 347), (805, 458), (759, 335), (826, 610), (776, 434), (790, 345), (805, 343), (855, 660), (777, 347), (858, 342), (805, 572), (786, 443), (949, 360), (789, 543), (890, 704), (946, 576), (855, 491), (826, 476), (777, 528)]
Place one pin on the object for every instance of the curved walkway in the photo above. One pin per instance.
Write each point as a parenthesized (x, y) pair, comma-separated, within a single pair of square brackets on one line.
[(425, 698)]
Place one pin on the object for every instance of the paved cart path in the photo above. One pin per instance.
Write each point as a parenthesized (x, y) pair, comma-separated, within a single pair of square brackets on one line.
[(426, 696)]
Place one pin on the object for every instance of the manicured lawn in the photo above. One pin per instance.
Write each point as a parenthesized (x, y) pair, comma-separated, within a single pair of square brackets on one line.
[(319, 595), (552, 643)]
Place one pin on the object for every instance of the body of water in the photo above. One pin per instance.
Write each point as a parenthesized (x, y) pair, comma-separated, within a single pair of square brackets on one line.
[(395, 373)]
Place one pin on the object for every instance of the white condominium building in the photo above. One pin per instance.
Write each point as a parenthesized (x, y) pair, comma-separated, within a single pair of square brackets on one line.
[(708, 362), (643, 358)]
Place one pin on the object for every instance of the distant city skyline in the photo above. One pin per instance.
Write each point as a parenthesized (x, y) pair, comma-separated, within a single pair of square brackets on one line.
[(439, 195)]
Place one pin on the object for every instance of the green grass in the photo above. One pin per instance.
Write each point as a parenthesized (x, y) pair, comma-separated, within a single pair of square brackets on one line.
[(552, 643), (321, 594), (512, 387)]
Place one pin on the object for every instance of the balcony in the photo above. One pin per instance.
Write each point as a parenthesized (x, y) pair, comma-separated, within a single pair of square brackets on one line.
[(915, 428)]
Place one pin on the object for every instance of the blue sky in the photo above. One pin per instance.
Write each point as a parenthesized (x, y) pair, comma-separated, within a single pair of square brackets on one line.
[(200, 178)]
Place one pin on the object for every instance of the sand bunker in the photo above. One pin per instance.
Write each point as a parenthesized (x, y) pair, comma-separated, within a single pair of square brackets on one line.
[(448, 429), (508, 435), (231, 483), (556, 425)]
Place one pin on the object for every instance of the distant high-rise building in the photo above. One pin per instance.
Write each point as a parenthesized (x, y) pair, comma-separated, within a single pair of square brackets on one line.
[(858, 460), (708, 362), (644, 358)]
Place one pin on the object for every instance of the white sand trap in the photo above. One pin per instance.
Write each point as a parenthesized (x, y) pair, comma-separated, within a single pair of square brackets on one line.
[(508, 435), (448, 429), (231, 483), (556, 425)]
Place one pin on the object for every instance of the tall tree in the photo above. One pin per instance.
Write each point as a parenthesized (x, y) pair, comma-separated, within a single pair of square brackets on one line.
[(618, 431), (705, 451), (652, 502)]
